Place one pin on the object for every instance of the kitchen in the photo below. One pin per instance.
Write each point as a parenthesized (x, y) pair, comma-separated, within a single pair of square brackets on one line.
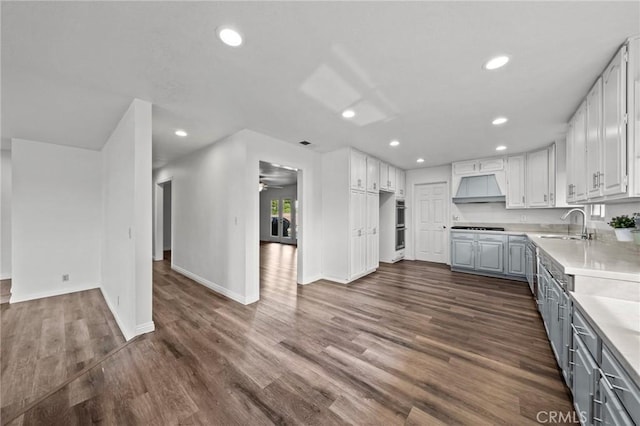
[(439, 270)]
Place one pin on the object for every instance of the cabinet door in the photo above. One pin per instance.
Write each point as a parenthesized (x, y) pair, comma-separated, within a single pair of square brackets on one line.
[(400, 183), (384, 176), (594, 139), (373, 174), (465, 167), (583, 385), (490, 256), (358, 170), (358, 234), (462, 254), (614, 149), (553, 315), (579, 154), (491, 165), (515, 182), (569, 163), (392, 179), (517, 259), (564, 313), (552, 175), (610, 410), (542, 292), (537, 172), (373, 234)]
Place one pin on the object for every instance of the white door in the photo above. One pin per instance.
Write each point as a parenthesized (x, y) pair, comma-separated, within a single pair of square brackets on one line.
[(594, 143), (515, 182), (432, 212), (537, 172), (358, 170), (615, 135), (579, 154), (283, 220), (373, 174)]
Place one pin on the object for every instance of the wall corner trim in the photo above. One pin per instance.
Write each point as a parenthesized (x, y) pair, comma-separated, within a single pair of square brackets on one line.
[(128, 335), (213, 286)]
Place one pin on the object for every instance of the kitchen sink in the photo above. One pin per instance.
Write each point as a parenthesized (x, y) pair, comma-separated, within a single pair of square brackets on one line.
[(562, 237)]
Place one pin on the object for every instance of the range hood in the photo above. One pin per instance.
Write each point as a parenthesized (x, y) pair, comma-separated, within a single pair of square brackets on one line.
[(479, 189)]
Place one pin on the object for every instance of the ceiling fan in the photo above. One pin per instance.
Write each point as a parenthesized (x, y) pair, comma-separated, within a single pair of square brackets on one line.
[(263, 186)]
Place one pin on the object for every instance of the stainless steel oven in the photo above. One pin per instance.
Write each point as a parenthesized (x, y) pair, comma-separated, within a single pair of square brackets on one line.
[(400, 208), (400, 233)]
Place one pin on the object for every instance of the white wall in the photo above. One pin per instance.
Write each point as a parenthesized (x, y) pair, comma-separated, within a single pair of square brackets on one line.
[(126, 246), (216, 220), (56, 217), (5, 215), (290, 191)]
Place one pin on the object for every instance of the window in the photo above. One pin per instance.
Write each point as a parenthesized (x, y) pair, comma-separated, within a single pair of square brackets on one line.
[(597, 212)]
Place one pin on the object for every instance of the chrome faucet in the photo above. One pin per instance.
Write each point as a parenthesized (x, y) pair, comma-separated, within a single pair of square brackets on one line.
[(584, 234)]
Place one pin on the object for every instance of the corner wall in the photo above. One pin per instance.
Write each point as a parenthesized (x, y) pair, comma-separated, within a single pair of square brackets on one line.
[(5, 215), (56, 216), (126, 247)]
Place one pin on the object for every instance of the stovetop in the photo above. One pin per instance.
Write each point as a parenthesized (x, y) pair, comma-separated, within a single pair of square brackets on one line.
[(479, 228)]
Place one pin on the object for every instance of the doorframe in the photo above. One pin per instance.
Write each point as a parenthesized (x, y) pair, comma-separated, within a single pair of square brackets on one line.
[(158, 216), (414, 221)]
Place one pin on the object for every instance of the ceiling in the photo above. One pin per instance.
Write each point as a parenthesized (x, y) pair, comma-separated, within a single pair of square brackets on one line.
[(411, 70), (276, 175)]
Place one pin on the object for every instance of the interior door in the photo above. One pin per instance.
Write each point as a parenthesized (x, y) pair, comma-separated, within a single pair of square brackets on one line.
[(432, 213), (283, 220)]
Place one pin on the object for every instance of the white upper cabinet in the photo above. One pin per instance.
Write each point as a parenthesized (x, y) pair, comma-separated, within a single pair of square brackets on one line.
[(384, 176), (603, 134), (594, 139), (485, 165), (400, 183), (373, 174), (614, 120), (358, 169), (392, 179), (579, 154), (516, 182), (465, 167), (538, 178)]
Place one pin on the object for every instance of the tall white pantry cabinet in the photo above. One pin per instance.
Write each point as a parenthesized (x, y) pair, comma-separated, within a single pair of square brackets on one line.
[(350, 208)]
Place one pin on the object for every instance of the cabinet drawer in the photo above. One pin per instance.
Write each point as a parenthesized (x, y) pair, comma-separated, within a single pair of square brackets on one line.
[(623, 386), (463, 235), (517, 238), (490, 237), (586, 334)]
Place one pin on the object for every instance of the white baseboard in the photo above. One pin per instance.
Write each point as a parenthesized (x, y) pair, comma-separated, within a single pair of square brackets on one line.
[(125, 332), (17, 297), (336, 280), (213, 286), (147, 327), (311, 279), (5, 276)]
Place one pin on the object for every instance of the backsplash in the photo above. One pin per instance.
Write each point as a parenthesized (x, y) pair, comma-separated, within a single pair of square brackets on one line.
[(496, 213), (522, 227)]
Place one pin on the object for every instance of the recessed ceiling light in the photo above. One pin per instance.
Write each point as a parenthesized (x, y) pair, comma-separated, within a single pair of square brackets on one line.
[(229, 36), (181, 133), (499, 120), (420, 160), (348, 113), (497, 62), (394, 143), (501, 148)]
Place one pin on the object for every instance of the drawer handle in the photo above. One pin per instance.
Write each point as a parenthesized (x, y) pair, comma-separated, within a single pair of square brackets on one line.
[(614, 377), (575, 329)]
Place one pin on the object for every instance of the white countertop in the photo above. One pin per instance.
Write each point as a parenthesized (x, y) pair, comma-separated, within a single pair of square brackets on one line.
[(618, 323), (474, 231), (618, 261)]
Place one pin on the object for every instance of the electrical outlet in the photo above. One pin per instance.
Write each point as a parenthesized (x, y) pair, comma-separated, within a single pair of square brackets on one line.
[(65, 277), (523, 218)]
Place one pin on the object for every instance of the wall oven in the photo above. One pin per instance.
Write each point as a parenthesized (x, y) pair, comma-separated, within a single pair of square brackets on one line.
[(400, 224)]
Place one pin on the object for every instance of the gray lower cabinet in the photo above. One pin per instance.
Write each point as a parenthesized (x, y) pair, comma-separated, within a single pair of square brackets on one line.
[(490, 255), (517, 256), (609, 410), (462, 253), (620, 384), (584, 382)]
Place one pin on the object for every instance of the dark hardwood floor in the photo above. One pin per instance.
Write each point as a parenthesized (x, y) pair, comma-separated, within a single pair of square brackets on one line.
[(413, 343)]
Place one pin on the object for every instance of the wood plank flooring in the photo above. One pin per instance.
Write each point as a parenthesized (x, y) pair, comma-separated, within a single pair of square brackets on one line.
[(46, 341), (413, 344)]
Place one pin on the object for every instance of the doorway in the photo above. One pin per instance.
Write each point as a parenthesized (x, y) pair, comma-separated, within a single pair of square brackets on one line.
[(163, 223), (431, 219)]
